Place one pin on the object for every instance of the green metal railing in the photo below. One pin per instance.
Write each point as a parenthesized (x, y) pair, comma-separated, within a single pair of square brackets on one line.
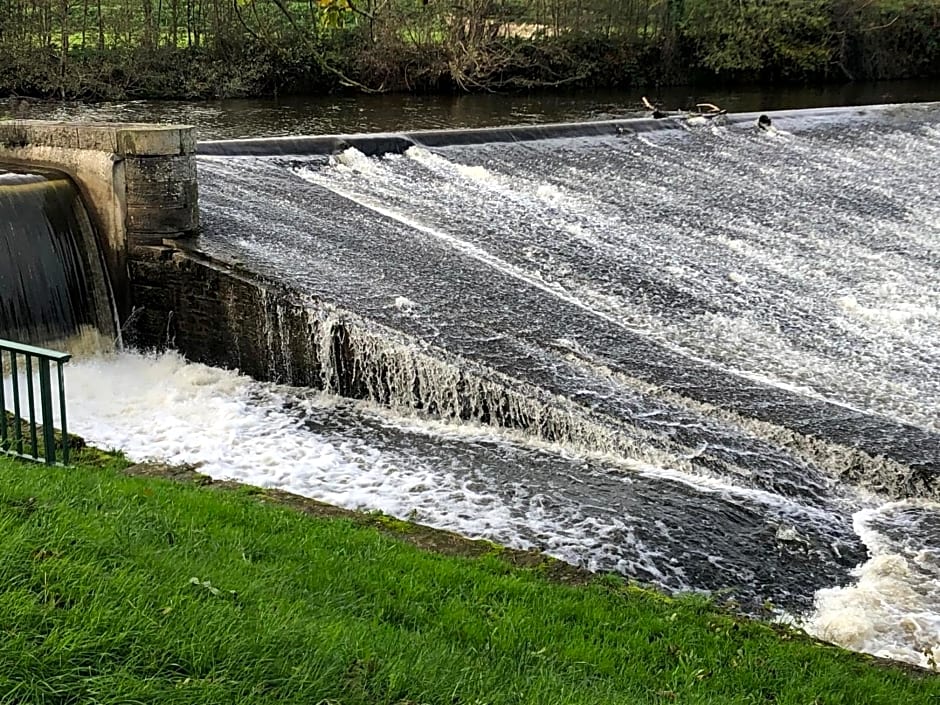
[(12, 441)]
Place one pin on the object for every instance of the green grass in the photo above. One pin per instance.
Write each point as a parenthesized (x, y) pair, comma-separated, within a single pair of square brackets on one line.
[(139, 590)]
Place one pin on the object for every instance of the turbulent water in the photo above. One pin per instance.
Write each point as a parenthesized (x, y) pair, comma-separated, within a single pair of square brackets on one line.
[(742, 329), (680, 531), (46, 292)]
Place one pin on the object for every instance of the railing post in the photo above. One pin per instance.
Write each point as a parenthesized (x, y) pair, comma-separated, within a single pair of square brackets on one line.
[(62, 423), (32, 405), (17, 422), (3, 408), (48, 426), (14, 445)]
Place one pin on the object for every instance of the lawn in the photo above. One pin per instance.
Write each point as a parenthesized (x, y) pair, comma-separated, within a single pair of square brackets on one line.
[(118, 589)]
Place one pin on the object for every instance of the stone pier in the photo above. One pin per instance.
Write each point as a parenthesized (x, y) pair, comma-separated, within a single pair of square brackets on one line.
[(138, 181)]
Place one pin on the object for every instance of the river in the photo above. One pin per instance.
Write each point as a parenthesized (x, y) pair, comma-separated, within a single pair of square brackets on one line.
[(227, 119)]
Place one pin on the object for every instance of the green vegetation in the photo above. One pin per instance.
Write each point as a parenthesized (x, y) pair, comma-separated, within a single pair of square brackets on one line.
[(117, 589), (228, 48)]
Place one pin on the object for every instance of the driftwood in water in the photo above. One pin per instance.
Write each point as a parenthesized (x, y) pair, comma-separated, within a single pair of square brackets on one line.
[(707, 110)]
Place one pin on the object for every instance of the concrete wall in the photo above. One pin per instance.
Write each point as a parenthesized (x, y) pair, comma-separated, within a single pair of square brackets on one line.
[(138, 181), (223, 315)]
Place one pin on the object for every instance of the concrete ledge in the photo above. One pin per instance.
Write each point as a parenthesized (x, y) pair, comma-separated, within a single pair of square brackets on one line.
[(383, 143), (123, 139)]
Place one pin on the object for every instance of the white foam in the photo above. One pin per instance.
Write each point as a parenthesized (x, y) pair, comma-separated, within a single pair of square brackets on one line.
[(165, 409), (462, 245), (893, 609), (436, 162), (775, 133), (823, 296), (352, 160), (902, 313), (404, 303)]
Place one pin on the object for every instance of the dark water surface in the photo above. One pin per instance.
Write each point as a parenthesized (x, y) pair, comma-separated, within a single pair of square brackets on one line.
[(225, 119)]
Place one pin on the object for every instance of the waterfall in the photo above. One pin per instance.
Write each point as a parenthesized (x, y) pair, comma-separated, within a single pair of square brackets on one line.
[(52, 280)]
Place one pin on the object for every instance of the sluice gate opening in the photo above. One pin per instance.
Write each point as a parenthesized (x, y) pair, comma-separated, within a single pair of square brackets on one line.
[(51, 272)]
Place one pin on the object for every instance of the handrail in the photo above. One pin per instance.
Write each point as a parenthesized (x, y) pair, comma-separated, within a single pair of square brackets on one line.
[(11, 434)]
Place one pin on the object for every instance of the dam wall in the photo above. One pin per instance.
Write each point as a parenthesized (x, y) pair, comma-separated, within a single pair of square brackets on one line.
[(221, 314), (218, 315), (225, 316), (374, 144), (138, 181)]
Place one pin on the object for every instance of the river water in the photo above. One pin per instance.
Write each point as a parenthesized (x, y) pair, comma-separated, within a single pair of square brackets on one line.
[(226, 119), (696, 301)]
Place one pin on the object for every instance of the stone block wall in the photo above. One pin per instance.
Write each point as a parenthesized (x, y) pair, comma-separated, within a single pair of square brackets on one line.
[(215, 314)]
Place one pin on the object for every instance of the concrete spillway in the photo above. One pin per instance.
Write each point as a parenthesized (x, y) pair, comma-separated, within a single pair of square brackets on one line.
[(677, 262), (378, 144)]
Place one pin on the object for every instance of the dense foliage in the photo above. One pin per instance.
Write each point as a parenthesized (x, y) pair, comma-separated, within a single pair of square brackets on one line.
[(206, 48)]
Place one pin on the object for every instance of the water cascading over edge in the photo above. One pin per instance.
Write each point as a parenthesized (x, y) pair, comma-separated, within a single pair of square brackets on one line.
[(53, 283), (350, 217)]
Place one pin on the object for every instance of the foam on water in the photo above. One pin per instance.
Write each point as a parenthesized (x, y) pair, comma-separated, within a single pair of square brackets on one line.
[(354, 161), (893, 609), (810, 247), (536, 279), (434, 161), (157, 407), (903, 313), (755, 327)]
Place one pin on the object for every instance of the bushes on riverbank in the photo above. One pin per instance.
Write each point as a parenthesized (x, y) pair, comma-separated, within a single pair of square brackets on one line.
[(220, 49), (123, 589), (120, 74)]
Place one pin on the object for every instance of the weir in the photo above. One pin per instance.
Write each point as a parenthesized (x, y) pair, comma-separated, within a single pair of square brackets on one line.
[(396, 143), (262, 319), (234, 318), (530, 220), (700, 355)]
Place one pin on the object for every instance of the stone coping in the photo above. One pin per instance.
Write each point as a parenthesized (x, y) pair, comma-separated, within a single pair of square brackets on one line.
[(120, 138)]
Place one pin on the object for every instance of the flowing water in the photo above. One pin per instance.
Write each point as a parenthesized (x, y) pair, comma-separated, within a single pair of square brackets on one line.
[(732, 337), (46, 295)]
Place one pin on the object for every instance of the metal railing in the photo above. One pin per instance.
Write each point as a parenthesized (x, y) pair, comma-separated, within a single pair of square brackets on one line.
[(12, 441)]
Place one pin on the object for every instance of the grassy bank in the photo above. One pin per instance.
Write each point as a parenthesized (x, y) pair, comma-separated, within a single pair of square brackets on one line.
[(141, 589)]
